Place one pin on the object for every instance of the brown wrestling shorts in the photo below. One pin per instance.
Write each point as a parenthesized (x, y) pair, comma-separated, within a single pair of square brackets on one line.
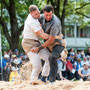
[(27, 44)]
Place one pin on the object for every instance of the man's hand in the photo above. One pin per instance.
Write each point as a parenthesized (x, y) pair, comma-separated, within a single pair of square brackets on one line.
[(35, 49), (82, 76), (87, 75), (59, 37)]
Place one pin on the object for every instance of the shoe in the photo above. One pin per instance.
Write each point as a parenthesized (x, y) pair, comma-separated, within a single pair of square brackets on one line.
[(81, 79), (34, 83), (73, 79), (43, 78)]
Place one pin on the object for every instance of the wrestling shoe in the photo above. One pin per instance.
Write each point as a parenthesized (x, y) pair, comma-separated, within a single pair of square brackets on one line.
[(43, 78)]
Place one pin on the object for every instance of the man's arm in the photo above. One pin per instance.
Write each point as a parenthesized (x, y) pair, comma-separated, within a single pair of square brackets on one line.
[(44, 45), (50, 39), (42, 34), (46, 36), (48, 42), (79, 72)]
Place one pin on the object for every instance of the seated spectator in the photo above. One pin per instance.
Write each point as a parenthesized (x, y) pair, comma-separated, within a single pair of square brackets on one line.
[(69, 68), (13, 74), (72, 59), (84, 72), (61, 69), (77, 66), (84, 61)]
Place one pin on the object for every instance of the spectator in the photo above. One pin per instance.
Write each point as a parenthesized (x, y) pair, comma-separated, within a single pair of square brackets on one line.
[(13, 74), (88, 52), (17, 53), (72, 59), (82, 53), (71, 51), (3, 65), (88, 59), (84, 72), (8, 70), (10, 53), (23, 61), (69, 69), (77, 66), (84, 61), (15, 61), (61, 69), (21, 57), (79, 54), (5, 52), (13, 57), (75, 57)]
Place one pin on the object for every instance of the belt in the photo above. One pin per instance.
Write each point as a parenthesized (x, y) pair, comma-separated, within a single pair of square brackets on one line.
[(33, 40)]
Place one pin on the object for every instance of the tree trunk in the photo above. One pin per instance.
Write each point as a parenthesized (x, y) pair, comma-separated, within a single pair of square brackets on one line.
[(15, 43), (57, 8), (63, 16), (12, 38)]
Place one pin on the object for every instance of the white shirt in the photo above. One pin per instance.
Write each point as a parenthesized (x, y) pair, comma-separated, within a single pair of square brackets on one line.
[(31, 26), (84, 62)]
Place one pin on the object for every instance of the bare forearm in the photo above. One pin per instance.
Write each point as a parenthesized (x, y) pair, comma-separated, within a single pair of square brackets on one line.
[(79, 72), (46, 36), (48, 42), (43, 35)]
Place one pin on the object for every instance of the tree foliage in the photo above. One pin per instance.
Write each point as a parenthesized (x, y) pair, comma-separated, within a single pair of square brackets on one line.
[(14, 12), (13, 15)]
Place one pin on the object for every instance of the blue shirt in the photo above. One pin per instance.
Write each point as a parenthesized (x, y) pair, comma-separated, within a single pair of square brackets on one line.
[(78, 65), (4, 61)]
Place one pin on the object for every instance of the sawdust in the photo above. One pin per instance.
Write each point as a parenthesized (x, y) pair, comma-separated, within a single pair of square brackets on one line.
[(23, 83)]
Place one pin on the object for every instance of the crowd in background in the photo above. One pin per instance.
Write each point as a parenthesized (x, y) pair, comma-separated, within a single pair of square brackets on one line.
[(75, 67), (11, 61)]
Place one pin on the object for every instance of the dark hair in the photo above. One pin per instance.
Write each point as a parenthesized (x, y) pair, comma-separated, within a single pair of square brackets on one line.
[(32, 8), (48, 8)]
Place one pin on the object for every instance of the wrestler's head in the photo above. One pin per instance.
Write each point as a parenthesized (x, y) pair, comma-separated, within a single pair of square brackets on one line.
[(34, 11), (48, 12)]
